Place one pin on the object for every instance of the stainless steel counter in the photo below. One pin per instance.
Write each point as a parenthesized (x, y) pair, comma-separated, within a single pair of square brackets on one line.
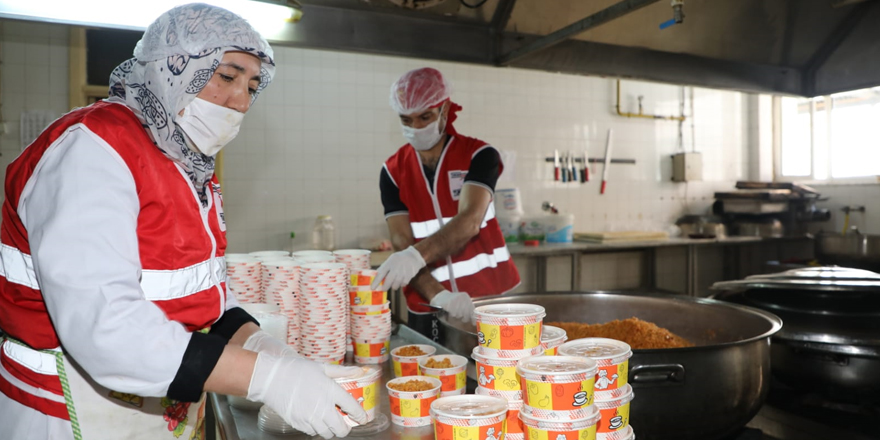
[(236, 424)]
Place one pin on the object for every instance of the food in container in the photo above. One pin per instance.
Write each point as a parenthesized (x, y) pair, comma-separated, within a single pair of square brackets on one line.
[(551, 339), (506, 395), (579, 429), (635, 332), (614, 407), (408, 364), (411, 399), (434, 363), (611, 356), (496, 373), (557, 387), (453, 378), (469, 417), (509, 327), (364, 387)]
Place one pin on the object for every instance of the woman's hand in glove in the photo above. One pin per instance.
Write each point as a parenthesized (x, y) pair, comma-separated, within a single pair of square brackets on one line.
[(300, 391)]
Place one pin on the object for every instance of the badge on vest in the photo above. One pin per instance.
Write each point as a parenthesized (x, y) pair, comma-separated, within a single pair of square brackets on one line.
[(218, 205), (456, 182)]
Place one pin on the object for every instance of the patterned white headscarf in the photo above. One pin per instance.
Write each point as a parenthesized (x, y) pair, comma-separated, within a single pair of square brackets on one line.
[(172, 63)]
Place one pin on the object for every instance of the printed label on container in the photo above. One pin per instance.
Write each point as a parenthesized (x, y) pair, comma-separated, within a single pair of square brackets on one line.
[(411, 408), (371, 350), (558, 396), (540, 434), (498, 378), (503, 337), (367, 396), (495, 431), (452, 382), (402, 369), (367, 298), (614, 419), (612, 377)]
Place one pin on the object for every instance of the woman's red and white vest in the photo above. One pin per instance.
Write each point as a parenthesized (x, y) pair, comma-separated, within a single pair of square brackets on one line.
[(484, 266), (181, 247)]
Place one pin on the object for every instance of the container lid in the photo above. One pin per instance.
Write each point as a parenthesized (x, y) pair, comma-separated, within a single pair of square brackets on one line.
[(826, 279), (352, 252), (557, 364), (595, 348), (469, 406), (509, 310), (581, 423), (364, 372), (550, 333), (613, 398)]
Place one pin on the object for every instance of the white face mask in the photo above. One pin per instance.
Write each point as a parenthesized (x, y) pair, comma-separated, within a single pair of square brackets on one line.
[(424, 138), (209, 126)]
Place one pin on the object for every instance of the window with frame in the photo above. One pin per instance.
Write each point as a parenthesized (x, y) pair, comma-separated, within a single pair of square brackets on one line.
[(829, 138)]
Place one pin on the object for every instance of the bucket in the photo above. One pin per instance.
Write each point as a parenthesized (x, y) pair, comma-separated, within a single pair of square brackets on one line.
[(611, 356), (557, 387), (496, 373), (453, 379), (409, 365), (509, 224), (364, 387), (509, 327), (551, 339), (580, 429), (614, 408), (559, 228), (508, 201), (412, 408), (469, 417)]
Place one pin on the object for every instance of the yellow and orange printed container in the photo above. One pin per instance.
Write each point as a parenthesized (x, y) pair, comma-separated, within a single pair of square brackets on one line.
[(409, 365), (515, 428), (363, 277), (506, 395), (614, 407), (496, 373), (469, 417), (371, 351), (412, 408), (580, 429), (453, 379), (557, 387), (509, 330), (364, 387), (611, 356), (363, 296), (552, 338)]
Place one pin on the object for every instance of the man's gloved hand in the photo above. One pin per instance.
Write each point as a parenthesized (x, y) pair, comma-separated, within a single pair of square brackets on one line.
[(338, 371), (456, 304), (399, 269), (262, 342), (302, 394)]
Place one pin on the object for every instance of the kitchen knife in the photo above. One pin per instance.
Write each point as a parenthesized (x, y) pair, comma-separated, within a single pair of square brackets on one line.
[(556, 165), (607, 162)]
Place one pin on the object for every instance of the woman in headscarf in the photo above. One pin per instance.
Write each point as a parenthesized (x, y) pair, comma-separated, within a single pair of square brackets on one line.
[(112, 276)]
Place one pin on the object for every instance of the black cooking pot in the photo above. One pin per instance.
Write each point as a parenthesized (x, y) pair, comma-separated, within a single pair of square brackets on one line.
[(706, 392), (831, 340)]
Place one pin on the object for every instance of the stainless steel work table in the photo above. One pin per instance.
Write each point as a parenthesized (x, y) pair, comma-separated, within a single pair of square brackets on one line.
[(236, 424)]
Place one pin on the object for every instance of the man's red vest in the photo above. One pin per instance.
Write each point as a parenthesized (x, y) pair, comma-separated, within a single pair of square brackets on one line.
[(484, 267), (181, 247)]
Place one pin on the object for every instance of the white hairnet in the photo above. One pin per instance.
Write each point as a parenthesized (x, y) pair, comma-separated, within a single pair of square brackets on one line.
[(419, 90)]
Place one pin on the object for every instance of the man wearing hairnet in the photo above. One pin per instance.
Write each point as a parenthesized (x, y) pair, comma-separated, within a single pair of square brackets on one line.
[(112, 290), (437, 193)]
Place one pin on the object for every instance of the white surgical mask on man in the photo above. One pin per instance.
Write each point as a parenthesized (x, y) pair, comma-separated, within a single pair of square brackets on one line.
[(209, 126), (424, 138)]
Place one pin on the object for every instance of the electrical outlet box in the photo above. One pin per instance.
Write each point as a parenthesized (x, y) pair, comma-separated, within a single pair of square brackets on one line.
[(687, 167)]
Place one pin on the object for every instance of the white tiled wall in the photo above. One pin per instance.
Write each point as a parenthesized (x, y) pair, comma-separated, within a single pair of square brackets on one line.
[(315, 141), (851, 195)]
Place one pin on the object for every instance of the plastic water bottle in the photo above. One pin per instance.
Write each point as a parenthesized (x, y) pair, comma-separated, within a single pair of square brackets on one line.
[(324, 233)]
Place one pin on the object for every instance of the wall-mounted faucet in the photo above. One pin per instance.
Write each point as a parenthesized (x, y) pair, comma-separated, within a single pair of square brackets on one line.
[(847, 210)]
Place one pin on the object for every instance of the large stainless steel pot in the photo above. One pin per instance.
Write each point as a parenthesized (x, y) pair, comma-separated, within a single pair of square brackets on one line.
[(705, 392), (851, 250)]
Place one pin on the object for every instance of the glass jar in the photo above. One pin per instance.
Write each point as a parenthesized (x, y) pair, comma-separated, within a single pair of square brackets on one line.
[(324, 234)]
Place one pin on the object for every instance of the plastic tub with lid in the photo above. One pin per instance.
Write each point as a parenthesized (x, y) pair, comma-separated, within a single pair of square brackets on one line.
[(469, 417), (513, 328), (611, 356), (557, 387)]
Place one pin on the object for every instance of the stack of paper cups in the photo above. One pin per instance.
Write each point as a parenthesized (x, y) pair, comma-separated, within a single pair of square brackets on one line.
[(281, 281), (613, 392), (506, 333), (370, 319), (243, 278), (269, 254), (322, 303), (355, 259)]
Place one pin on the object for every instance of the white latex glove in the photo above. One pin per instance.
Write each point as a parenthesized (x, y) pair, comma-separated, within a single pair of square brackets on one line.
[(399, 269), (302, 394), (337, 371), (262, 342), (456, 304)]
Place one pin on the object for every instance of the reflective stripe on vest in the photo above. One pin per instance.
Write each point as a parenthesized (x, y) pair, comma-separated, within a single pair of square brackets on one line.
[(34, 360), (425, 229), (473, 265), (157, 285), (17, 267), (160, 285)]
